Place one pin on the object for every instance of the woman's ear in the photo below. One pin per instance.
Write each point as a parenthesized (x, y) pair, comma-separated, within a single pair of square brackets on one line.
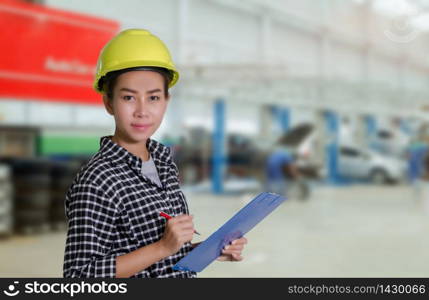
[(108, 104)]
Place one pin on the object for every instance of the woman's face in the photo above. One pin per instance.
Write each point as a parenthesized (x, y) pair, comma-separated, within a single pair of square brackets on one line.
[(138, 105)]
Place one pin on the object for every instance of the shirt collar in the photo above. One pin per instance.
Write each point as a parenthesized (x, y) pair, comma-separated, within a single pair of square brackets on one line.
[(161, 154)]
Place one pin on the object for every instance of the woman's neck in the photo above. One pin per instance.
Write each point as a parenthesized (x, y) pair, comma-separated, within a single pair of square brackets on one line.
[(138, 149)]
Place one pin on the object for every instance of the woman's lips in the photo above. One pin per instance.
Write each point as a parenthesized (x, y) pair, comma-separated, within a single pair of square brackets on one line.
[(141, 126)]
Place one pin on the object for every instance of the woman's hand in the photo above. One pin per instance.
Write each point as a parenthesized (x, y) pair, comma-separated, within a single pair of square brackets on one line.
[(178, 231), (233, 251)]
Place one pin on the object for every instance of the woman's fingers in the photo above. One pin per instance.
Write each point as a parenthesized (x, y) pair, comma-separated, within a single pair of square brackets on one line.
[(230, 257), (238, 247), (182, 222), (237, 257), (233, 251), (241, 241)]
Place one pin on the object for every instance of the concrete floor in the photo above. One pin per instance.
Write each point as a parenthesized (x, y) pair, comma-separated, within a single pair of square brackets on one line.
[(353, 231)]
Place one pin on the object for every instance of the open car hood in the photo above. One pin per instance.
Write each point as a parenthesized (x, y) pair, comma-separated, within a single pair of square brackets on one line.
[(296, 135)]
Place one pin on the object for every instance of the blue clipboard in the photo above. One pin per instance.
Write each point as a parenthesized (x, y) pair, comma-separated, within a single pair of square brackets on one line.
[(236, 227)]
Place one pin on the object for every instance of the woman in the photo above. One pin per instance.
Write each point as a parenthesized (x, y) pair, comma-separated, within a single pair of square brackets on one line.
[(113, 205)]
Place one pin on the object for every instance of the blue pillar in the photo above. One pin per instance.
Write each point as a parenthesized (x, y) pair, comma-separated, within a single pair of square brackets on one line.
[(332, 128), (281, 118), (405, 127), (218, 147), (371, 130), (371, 125), (285, 119)]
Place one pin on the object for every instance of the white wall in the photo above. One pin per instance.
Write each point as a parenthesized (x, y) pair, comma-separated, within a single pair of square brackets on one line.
[(297, 50), (217, 32)]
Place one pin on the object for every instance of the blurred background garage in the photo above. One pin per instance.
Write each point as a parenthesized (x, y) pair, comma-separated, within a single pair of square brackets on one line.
[(340, 85)]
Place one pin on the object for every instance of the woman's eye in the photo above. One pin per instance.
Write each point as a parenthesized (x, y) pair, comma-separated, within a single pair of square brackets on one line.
[(154, 98), (127, 97)]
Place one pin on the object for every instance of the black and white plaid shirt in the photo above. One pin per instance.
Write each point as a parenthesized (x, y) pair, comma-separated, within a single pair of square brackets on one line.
[(113, 209)]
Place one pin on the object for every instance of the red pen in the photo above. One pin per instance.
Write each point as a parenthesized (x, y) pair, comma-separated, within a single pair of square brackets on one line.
[(168, 217)]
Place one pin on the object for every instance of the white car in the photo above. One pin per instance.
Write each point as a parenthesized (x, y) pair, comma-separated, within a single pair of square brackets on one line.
[(360, 163), (391, 143)]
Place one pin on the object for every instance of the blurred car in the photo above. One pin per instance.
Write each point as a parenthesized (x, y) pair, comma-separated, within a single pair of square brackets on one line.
[(393, 143), (240, 155), (302, 142), (358, 163)]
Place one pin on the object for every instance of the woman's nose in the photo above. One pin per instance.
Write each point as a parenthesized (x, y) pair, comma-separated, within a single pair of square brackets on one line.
[(141, 109)]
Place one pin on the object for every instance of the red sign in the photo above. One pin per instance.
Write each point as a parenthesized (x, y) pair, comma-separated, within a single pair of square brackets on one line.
[(49, 54)]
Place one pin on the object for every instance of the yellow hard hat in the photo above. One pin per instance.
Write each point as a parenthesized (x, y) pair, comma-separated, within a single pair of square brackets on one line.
[(133, 48)]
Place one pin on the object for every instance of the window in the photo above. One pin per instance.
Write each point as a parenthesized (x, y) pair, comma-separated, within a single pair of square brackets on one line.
[(349, 152)]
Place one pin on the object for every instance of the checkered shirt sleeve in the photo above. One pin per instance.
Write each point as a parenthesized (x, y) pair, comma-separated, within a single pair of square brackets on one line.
[(89, 240)]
